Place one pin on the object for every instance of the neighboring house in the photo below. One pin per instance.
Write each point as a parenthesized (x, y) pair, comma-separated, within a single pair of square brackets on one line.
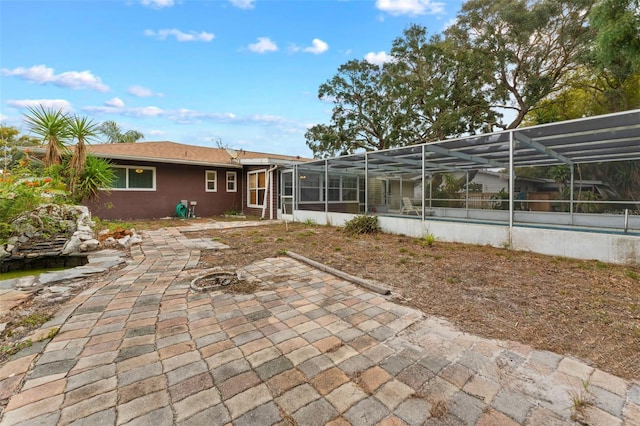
[(154, 177)]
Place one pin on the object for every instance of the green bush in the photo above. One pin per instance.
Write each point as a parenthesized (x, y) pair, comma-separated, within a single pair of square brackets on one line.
[(362, 225), (22, 189)]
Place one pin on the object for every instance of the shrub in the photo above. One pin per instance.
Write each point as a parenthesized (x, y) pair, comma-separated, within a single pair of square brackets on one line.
[(362, 225)]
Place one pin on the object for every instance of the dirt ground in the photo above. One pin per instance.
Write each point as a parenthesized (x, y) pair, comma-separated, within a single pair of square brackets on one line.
[(587, 309)]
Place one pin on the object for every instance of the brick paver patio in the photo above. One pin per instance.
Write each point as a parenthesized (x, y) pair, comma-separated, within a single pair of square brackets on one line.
[(307, 348)]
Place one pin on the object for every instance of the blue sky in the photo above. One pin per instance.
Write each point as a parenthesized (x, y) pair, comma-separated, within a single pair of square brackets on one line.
[(245, 72)]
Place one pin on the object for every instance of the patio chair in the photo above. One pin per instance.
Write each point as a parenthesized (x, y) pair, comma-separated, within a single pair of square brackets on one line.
[(408, 207)]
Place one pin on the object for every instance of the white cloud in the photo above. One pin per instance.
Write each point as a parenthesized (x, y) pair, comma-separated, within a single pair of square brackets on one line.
[(115, 102), (157, 4), (142, 92), (317, 47), (187, 116), (263, 45), (379, 58), (55, 104), (42, 74), (179, 35), (141, 112), (149, 111), (264, 119), (155, 132), (451, 22), (410, 7), (243, 4)]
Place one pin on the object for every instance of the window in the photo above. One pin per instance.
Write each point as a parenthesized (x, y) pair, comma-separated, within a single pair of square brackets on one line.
[(349, 188), (340, 188), (134, 178), (334, 188), (343, 188), (257, 188), (232, 178), (211, 181), (310, 186)]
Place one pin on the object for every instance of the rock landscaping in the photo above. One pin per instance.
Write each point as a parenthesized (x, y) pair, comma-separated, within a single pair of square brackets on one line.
[(57, 236)]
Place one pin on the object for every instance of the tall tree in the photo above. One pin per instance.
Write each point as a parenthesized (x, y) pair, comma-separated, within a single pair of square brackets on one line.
[(364, 116), (52, 126), (615, 53), (530, 47), (112, 131), (617, 42), (440, 88)]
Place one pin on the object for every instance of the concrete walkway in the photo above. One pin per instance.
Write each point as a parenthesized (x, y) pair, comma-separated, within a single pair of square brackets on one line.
[(308, 348)]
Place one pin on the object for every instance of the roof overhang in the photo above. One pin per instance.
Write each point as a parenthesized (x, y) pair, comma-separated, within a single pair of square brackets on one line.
[(268, 162), (166, 160)]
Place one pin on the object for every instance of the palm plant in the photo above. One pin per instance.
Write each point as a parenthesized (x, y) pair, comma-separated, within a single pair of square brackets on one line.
[(82, 129), (52, 127), (98, 175), (114, 134)]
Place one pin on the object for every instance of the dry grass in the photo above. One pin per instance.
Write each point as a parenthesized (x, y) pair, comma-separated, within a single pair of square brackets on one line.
[(439, 408), (587, 309)]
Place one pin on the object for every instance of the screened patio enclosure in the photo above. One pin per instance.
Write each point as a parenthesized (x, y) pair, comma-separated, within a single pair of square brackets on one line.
[(473, 180)]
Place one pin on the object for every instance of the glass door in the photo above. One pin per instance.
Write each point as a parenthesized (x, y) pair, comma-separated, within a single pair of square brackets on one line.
[(286, 194)]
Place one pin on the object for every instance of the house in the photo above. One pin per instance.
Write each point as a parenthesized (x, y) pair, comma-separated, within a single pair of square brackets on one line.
[(152, 178)]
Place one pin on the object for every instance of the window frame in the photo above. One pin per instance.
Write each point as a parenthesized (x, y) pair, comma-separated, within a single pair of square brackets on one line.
[(259, 202), (129, 168), (311, 188), (207, 180), (234, 181)]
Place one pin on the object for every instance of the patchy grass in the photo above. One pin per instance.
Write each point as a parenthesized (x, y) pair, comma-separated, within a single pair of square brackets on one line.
[(586, 309)]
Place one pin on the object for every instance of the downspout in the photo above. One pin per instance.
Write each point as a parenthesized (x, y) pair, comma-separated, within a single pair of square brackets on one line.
[(266, 193)]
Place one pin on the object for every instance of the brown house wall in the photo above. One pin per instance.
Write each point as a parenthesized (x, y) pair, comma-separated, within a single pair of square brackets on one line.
[(174, 182)]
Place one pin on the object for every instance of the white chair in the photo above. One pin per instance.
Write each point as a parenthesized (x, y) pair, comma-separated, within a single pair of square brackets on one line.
[(408, 207)]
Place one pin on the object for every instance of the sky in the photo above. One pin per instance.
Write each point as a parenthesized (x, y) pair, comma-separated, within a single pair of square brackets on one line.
[(242, 74)]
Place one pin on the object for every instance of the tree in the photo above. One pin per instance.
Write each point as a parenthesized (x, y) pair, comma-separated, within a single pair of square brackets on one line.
[(616, 46), (82, 130), (615, 53), (84, 175), (10, 140), (440, 88), (112, 131), (364, 116), (529, 47), (52, 126)]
